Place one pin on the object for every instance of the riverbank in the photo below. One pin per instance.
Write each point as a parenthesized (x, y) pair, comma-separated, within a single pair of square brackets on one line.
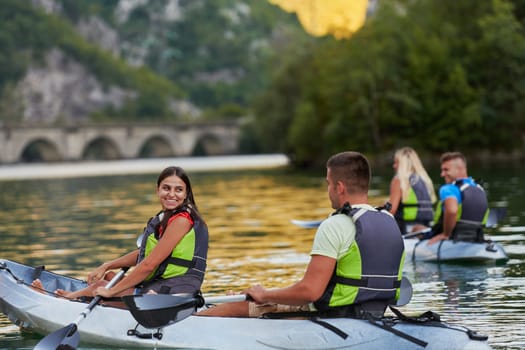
[(140, 166)]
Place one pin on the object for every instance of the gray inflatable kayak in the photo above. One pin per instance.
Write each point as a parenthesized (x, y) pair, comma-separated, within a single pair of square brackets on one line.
[(108, 326), (452, 251)]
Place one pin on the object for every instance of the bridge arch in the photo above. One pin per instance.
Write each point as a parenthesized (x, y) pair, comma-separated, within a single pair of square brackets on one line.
[(157, 146), (40, 150), (117, 141), (208, 144), (101, 148)]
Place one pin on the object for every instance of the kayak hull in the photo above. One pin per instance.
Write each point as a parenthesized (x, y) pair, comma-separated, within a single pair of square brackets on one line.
[(109, 326), (451, 251)]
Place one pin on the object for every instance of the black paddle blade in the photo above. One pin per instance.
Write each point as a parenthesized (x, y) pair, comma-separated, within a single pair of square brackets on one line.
[(66, 338), (159, 310)]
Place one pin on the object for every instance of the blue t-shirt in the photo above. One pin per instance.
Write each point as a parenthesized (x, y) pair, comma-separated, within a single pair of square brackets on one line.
[(451, 190)]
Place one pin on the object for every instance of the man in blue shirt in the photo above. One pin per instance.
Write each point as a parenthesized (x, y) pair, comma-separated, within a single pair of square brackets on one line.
[(463, 206)]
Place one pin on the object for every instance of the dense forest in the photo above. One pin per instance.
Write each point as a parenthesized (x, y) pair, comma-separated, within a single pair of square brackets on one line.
[(431, 74)]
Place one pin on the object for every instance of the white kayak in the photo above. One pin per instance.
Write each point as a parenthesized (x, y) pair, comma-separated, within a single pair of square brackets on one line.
[(454, 251), (109, 326)]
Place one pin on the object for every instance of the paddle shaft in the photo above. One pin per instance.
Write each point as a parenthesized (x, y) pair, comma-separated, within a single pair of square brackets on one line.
[(416, 233), (406, 295), (160, 310), (226, 299), (307, 224), (97, 298)]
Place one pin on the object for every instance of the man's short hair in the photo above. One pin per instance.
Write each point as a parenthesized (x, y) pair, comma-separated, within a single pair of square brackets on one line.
[(352, 168), (445, 157)]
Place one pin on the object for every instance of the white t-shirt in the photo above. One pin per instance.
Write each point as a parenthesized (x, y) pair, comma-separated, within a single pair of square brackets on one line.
[(335, 235)]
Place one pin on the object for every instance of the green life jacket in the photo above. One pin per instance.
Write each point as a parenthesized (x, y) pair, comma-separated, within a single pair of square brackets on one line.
[(189, 255), (417, 208)]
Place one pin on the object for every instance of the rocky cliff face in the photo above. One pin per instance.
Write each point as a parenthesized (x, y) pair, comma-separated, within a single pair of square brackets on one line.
[(215, 53), (59, 89), (63, 90)]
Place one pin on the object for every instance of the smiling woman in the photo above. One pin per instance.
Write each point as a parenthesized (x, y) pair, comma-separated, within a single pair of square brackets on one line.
[(172, 253)]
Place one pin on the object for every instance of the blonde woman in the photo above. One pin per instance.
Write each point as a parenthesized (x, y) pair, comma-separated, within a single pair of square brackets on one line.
[(411, 191)]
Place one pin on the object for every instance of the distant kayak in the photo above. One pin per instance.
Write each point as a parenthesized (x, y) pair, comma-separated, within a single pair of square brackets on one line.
[(454, 251), (449, 250)]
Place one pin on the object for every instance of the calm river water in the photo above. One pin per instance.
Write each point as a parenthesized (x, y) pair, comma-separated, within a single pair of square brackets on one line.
[(72, 225)]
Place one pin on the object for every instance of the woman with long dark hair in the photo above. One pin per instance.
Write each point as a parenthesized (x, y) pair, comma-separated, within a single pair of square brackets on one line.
[(173, 248)]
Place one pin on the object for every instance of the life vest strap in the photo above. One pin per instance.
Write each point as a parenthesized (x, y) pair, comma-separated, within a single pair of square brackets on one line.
[(430, 318), (385, 326), (367, 282), (181, 262)]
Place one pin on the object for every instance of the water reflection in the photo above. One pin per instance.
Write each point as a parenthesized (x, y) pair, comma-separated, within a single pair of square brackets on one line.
[(72, 225), (486, 298)]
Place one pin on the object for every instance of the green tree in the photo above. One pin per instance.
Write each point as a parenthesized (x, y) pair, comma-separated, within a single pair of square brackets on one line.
[(421, 73)]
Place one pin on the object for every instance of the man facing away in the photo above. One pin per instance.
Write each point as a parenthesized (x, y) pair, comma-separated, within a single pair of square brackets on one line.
[(356, 259), (463, 206)]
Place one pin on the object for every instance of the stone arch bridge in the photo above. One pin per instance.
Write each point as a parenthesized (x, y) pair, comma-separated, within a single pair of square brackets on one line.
[(114, 141)]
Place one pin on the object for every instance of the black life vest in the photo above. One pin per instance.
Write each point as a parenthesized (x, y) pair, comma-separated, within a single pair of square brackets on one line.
[(371, 269), (472, 213)]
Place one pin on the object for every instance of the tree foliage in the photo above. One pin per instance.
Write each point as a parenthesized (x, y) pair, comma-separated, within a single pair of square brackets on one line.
[(434, 75), (26, 34), (215, 50)]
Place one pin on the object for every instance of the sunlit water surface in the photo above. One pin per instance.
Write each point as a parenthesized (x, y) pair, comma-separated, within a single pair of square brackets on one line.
[(72, 225)]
